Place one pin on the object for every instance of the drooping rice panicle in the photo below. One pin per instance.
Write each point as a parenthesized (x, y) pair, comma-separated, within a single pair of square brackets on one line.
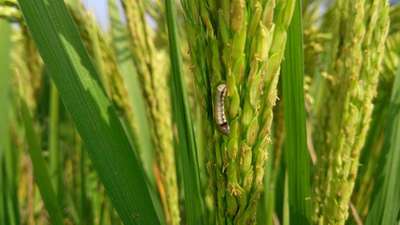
[(372, 152), (152, 68), (10, 11), (28, 73), (343, 121)]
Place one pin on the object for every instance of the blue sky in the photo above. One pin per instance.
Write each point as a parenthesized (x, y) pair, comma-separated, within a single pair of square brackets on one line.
[(99, 7)]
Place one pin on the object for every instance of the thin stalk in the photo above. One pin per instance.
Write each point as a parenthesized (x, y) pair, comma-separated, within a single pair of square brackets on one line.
[(54, 151), (2, 192), (85, 214), (286, 201)]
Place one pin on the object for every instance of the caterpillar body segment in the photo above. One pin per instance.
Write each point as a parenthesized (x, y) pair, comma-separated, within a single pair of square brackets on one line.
[(219, 110)]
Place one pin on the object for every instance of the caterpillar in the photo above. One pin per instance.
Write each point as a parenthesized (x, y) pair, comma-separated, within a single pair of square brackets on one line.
[(219, 110)]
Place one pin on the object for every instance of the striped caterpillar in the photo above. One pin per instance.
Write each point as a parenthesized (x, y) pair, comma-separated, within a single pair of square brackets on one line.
[(219, 110)]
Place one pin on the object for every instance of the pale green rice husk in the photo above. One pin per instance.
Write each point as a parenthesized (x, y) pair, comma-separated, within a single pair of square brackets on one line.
[(343, 121)]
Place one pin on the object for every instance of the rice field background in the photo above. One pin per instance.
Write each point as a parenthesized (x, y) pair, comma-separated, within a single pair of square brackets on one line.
[(199, 112)]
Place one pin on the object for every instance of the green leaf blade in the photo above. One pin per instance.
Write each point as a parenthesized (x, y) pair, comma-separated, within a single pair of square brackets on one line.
[(385, 206), (74, 74), (297, 157), (187, 154), (5, 59)]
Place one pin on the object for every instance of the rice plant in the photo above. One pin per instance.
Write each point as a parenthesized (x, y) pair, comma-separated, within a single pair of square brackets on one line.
[(237, 112)]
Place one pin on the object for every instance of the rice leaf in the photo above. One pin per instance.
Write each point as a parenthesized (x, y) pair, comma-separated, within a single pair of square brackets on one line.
[(119, 169), (40, 170), (386, 203), (297, 157), (5, 59), (54, 151), (187, 152), (5, 43)]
